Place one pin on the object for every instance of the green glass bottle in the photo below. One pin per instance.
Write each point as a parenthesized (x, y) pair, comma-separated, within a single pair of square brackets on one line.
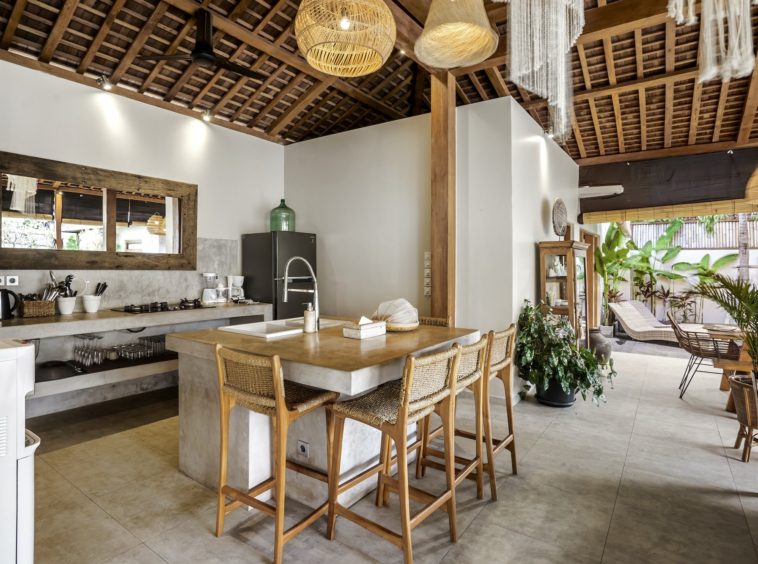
[(282, 218)]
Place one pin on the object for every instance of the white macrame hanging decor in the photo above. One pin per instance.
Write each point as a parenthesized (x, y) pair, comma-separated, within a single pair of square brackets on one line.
[(541, 34), (24, 193), (727, 36)]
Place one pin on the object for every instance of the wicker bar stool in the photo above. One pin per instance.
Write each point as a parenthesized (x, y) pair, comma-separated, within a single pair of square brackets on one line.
[(747, 414), (255, 383), (470, 371), (428, 380)]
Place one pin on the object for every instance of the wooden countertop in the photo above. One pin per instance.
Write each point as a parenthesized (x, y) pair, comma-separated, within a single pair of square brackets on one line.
[(326, 349), (107, 320)]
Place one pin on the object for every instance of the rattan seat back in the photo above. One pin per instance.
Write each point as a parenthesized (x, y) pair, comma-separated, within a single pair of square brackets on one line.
[(502, 349), (434, 321), (472, 362), (252, 380), (703, 345), (427, 379), (744, 400)]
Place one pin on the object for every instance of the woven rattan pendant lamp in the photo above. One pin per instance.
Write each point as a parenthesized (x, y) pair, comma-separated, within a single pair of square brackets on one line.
[(345, 37), (457, 33)]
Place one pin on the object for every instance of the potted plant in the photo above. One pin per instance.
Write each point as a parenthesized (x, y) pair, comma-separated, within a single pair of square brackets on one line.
[(548, 358), (705, 271), (739, 298), (611, 261)]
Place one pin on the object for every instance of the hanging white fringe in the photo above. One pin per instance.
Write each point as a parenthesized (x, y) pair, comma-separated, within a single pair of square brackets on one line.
[(727, 36), (24, 193), (541, 34)]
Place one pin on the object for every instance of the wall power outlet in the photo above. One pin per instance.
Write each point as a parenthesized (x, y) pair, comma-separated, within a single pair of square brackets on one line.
[(303, 450)]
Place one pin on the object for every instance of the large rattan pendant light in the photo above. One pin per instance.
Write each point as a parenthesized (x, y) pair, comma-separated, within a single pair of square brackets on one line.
[(345, 37), (457, 33)]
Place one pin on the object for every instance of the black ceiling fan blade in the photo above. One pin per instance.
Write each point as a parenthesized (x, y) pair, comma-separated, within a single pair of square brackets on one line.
[(165, 58), (204, 33), (243, 71)]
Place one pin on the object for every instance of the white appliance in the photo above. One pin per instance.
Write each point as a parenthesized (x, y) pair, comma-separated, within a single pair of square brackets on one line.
[(17, 446)]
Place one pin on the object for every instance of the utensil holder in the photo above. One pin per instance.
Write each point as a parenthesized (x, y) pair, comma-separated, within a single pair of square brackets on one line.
[(37, 309), (91, 303), (66, 305)]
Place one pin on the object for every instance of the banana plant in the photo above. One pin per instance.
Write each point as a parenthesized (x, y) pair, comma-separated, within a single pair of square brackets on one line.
[(649, 263), (705, 272), (611, 262)]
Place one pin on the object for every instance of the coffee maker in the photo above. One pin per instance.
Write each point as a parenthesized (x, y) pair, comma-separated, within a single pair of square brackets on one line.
[(213, 290), (235, 287)]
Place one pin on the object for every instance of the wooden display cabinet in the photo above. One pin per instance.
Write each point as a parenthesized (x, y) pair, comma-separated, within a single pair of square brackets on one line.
[(563, 283)]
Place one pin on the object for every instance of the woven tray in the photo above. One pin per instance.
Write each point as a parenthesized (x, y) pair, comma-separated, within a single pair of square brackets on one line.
[(400, 327), (37, 309)]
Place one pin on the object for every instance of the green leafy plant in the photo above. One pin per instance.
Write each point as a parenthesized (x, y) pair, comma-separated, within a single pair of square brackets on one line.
[(649, 263), (705, 272), (611, 263), (683, 306), (709, 222), (739, 298), (546, 350)]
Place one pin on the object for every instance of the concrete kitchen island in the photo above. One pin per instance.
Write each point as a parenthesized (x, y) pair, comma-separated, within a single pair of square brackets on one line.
[(324, 360)]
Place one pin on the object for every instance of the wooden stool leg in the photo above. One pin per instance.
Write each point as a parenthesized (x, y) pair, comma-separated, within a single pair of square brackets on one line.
[(488, 439), (334, 475), (724, 385), (405, 507), (448, 424), (748, 444), (420, 424), (479, 439), (225, 408), (740, 436), (385, 456), (280, 469), (507, 384), (425, 444), (388, 469)]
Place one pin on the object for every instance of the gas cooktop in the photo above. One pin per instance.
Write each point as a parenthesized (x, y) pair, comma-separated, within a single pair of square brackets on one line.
[(156, 307)]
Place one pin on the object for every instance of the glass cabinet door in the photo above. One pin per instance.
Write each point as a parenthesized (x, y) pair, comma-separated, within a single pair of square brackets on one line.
[(580, 303), (556, 278)]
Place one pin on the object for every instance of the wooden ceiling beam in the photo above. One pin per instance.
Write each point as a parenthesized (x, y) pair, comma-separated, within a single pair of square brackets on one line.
[(56, 34), (670, 47), (286, 89), (697, 91), (723, 94), (294, 110), (13, 21), (698, 149), (408, 31), (751, 105), (593, 109), (257, 65), (251, 99), (621, 87), (611, 67), (623, 16), (639, 62), (578, 136), (596, 124), (66, 74), (478, 86), (102, 33), (292, 59), (138, 42), (313, 112), (461, 93), (497, 80)]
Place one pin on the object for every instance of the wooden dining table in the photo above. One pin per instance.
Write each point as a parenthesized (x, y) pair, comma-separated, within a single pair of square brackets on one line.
[(729, 367)]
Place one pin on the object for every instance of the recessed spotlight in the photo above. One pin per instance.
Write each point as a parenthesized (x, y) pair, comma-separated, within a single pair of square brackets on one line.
[(550, 135), (628, 163), (402, 51), (730, 152), (206, 116), (104, 83)]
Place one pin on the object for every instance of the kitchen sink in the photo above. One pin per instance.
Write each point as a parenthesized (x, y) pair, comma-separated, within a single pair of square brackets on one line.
[(278, 328)]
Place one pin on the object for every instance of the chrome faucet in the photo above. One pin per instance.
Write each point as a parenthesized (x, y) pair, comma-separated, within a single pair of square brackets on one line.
[(313, 291)]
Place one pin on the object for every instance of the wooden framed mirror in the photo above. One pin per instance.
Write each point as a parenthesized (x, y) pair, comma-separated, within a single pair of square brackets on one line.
[(62, 215)]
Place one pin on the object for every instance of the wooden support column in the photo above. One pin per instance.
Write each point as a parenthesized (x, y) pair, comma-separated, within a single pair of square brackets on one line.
[(58, 219), (110, 220), (443, 196)]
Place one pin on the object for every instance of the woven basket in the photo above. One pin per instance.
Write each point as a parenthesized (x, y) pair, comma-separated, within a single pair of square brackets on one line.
[(37, 309)]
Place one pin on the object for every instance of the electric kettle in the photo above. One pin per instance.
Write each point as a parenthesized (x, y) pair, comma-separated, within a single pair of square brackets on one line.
[(6, 311)]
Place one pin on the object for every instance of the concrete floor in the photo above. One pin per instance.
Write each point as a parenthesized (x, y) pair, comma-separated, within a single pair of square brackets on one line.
[(645, 477)]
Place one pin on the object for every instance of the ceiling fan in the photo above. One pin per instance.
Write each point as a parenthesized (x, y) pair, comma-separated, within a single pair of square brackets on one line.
[(203, 54)]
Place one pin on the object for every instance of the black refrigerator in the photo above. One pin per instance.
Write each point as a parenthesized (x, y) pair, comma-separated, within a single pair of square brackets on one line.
[(264, 256)]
